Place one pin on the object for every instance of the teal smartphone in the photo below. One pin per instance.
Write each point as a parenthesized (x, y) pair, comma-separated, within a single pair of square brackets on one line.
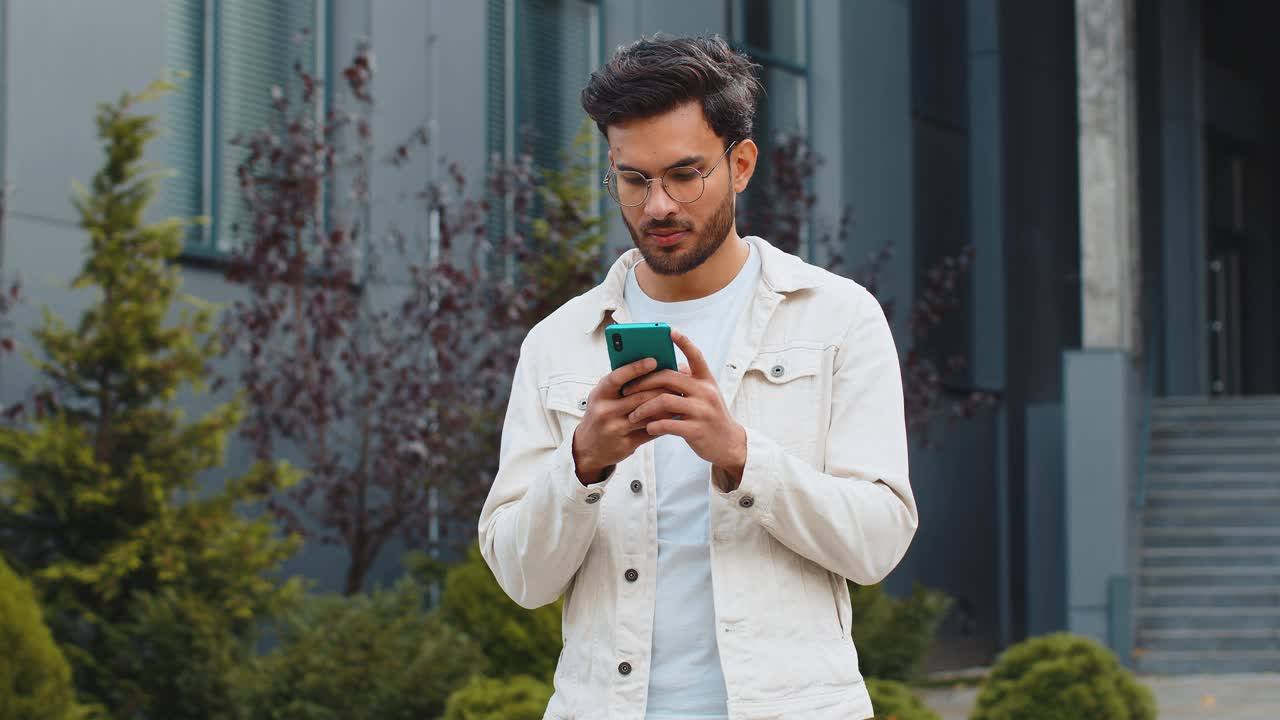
[(629, 342)]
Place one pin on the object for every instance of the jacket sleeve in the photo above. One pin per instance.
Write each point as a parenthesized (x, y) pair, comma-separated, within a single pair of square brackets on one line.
[(538, 519), (857, 518)]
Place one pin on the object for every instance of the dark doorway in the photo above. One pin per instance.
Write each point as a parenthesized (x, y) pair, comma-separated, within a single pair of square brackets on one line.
[(1241, 194)]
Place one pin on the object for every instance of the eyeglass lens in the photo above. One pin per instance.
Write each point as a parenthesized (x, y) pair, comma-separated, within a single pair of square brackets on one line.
[(683, 184)]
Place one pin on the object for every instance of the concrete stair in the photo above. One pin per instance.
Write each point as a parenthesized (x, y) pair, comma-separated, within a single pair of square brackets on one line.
[(1209, 562)]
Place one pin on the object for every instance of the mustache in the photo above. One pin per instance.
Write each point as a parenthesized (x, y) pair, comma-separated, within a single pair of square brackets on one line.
[(651, 227)]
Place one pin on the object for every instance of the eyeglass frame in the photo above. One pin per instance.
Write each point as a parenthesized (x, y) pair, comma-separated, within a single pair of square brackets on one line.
[(648, 181)]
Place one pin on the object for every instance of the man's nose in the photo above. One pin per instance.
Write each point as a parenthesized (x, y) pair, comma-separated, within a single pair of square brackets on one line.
[(659, 204)]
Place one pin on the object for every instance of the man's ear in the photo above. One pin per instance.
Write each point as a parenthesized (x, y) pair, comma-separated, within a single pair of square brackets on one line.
[(743, 161)]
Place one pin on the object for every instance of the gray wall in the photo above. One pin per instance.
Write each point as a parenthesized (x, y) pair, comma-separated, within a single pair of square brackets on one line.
[(960, 483), (1046, 554), (626, 21), (1098, 420), (987, 349), (61, 59), (877, 153), (431, 72), (956, 546), (827, 88), (1040, 226)]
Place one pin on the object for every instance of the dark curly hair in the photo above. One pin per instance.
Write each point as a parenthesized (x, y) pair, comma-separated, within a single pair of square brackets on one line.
[(655, 74)]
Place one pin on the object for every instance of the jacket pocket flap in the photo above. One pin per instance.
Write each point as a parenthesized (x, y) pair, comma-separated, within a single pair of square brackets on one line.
[(787, 364), (569, 395)]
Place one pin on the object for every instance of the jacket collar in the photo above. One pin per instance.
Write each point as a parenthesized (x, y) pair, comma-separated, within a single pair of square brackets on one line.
[(780, 272)]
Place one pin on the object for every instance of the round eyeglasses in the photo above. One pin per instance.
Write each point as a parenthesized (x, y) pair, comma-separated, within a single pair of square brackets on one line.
[(684, 184)]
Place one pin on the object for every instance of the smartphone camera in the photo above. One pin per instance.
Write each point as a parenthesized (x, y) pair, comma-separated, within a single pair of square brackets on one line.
[(617, 342)]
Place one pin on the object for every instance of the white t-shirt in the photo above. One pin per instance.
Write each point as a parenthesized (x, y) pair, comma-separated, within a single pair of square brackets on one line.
[(685, 679)]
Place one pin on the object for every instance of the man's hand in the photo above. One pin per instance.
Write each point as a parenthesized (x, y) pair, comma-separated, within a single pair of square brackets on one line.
[(693, 396), (605, 436)]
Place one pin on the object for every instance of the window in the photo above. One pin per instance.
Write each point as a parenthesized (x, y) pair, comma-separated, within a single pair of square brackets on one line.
[(235, 52), (774, 33), (540, 54)]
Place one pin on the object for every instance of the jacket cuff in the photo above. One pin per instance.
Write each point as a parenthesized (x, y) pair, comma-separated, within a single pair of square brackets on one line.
[(760, 477), (564, 479)]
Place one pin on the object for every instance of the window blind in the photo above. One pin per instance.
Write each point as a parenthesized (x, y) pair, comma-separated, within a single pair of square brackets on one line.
[(496, 78), (184, 53), (255, 51), (553, 61)]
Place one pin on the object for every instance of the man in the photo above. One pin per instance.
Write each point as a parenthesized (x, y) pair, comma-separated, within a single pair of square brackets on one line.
[(700, 524)]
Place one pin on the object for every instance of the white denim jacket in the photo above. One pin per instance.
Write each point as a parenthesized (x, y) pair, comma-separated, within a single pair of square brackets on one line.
[(813, 375)]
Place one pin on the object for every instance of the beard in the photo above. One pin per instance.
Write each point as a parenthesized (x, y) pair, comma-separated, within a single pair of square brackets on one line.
[(691, 252)]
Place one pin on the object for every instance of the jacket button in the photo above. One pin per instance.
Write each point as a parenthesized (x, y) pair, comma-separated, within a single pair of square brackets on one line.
[(593, 498), (636, 486), (746, 501), (777, 370), (582, 404), (624, 668), (631, 575)]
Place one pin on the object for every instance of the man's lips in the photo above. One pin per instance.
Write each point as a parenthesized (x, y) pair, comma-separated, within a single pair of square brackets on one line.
[(666, 238)]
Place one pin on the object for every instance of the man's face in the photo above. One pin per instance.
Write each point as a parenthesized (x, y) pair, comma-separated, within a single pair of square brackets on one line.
[(674, 237)]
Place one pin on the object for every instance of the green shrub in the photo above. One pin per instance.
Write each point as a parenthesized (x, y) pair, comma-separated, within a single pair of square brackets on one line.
[(895, 701), (519, 697), (188, 665), (895, 636), (1062, 677), (35, 679), (516, 641), (377, 657)]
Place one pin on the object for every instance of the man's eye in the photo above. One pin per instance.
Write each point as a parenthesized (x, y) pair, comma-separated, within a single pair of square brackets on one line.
[(682, 175)]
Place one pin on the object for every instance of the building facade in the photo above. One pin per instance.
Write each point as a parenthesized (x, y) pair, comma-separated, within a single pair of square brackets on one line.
[(1112, 162)]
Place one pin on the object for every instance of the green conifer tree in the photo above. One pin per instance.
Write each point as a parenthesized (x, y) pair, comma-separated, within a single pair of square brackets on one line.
[(153, 585)]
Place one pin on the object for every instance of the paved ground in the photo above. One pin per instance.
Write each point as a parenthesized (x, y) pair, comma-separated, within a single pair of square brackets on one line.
[(1184, 697)]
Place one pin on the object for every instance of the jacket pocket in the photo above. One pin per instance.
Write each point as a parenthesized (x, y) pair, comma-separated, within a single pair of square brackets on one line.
[(566, 402), (790, 396), (840, 596), (826, 604), (805, 588)]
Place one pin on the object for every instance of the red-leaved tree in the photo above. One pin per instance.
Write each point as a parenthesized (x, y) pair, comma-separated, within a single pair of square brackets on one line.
[(382, 363)]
